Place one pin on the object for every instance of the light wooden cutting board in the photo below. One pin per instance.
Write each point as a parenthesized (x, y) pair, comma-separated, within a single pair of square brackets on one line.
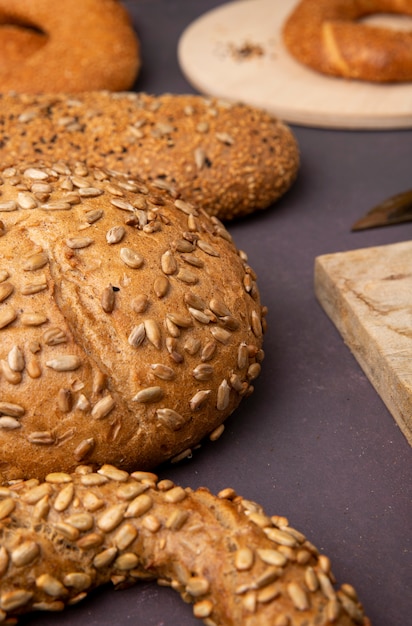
[(368, 295), (265, 75)]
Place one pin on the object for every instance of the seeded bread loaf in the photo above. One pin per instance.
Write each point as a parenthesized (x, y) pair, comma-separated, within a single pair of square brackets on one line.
[(67, 535), (130, 324), (76, 46), (230, 159)]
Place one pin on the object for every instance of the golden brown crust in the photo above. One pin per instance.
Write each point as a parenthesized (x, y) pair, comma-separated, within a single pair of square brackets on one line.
[(65, 536), (229, 159), (130, 325), (327, 36), (78, 46)]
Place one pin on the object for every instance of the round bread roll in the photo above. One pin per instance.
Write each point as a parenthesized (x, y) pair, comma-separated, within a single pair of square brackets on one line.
[(230, 159), (327, 36), (73, 46), (130, 325), (72, 533)]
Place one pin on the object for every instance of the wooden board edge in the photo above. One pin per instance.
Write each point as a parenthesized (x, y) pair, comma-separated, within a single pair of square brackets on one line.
[(371, 360)]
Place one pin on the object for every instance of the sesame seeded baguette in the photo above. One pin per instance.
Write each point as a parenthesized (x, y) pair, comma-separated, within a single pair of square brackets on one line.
[(130, 324), (230, 159), (84, 45), (67, 535)]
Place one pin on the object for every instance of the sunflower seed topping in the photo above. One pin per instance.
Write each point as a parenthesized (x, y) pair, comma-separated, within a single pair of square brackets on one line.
[(64, 363), (203, 372), (163, 371), (35, 261), (150, 394), (103, 407), (171, 419), (7, 316), (137, 335), (298, 596), (77, 243), (131, 258), (8, 206), (199, 399), (6, 289)]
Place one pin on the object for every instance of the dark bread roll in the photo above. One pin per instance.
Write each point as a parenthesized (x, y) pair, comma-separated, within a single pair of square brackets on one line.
[(130, 324), (238, 566), (230, 159)]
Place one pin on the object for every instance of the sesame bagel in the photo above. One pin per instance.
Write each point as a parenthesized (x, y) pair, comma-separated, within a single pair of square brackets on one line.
[(236, 565), (327, 36), (75, 46), (130, 324), (230, 159)]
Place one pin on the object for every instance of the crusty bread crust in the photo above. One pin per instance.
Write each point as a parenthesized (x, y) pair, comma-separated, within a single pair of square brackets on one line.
[(79, 46), (238, 566), (326, 36), (130, 324), (229, 159)]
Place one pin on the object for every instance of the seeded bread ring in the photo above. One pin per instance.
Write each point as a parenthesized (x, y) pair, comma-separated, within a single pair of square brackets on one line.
[(230, 159), (65, 536), (79, 46), (325, 35), (130, 324)]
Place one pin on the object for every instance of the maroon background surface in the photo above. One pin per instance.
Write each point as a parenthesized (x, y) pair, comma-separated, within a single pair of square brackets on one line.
[(314, 442)]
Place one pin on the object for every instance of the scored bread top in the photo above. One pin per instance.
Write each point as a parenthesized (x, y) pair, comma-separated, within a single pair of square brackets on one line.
[(130, 324), (230, 159)]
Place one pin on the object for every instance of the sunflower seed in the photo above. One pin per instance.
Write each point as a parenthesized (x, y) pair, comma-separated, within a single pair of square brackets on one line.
[(298, 596), (35, 261), (220, 334), (171, 419), (51, 585), (26, 201), (54, 336), (203, 372), (56, 205), (42, 437), (150, 394), (137, 335), (115, 234), (206, 247), (40, 284), (25, 553), (108, 299), (7, 506), (93, 215), (13, 600), (223, 396), (64, 363), (244, 559), (194, 301), (8, 206), (153, 333), (7, 316), (103, 407), (15, 359), (161, 371), (77, 243), (188, 277), (131, 258), (168, 263), (12, 410), (112, 517), (161, 286), (199, 399)]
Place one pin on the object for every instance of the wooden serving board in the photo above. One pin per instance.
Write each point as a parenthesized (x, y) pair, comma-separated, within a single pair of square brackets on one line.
[(235, 52), (368, 295)]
